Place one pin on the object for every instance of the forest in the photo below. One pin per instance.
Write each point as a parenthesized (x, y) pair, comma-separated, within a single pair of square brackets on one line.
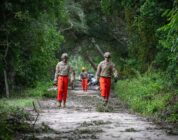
[(142, 36)]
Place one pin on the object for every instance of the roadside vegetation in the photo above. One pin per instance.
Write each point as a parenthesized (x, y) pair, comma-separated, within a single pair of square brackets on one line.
[(141, 35), (151, 95), (15, 119)]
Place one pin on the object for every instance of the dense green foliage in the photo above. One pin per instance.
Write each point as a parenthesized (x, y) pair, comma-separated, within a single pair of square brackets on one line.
[(152, 34), (151, 95), (29, 39), (167, 58), (142, 36)]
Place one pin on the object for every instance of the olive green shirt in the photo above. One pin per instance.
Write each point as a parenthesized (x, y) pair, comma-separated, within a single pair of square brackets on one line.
[(106, 69)]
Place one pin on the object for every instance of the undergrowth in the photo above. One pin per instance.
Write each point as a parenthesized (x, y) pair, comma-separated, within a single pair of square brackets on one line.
[(13, 120), (14, 117), (151, 95)]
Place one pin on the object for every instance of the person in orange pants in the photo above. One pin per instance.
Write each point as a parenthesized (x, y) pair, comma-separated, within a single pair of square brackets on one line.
[(63, 69), (104, 72), (84, 78), (105, 85), (62, 89)]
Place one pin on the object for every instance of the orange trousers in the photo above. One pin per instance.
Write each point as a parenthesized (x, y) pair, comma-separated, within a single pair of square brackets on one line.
[(105, 85), (62, 88), (85, 84)]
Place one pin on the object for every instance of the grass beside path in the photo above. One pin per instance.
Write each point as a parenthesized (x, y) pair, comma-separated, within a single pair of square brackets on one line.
[(18, 102), (25, 98), (151, 95), (13, 117)]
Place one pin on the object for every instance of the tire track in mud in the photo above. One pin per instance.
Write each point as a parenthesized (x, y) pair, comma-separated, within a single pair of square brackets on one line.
[(80, 120)]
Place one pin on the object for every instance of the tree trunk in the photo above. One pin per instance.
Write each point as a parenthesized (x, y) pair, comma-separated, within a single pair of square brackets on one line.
[(87, 58), (5, 55), (6, 83), (97, 47)]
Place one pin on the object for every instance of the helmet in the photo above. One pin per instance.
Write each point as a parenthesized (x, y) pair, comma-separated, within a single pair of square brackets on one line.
[(64, 55), (107, 54), (83, 68)]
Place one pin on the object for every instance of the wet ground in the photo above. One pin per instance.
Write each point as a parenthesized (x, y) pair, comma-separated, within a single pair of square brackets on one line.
[(80, 120)]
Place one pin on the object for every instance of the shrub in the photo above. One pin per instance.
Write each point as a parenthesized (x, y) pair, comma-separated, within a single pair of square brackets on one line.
[(147, 94)]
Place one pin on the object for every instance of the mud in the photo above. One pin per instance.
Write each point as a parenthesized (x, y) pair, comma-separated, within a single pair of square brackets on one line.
[(84, 117)]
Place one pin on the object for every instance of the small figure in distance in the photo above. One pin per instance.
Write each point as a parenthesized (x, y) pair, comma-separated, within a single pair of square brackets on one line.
[(84, 78)]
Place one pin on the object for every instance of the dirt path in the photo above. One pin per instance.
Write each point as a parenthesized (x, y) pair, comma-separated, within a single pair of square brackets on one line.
[(80, 120)]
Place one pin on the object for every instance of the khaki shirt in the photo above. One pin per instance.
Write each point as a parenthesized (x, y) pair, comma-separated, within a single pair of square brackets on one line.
[(106, 69), (83, 75), (62, 69)]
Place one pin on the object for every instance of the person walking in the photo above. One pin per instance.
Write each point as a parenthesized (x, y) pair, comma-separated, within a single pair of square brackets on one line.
[(104, 72), (63, 69), (84, 78)]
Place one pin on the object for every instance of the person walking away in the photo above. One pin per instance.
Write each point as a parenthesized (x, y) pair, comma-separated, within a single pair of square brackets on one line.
[(63, 69), (104, 72), (84, 78)]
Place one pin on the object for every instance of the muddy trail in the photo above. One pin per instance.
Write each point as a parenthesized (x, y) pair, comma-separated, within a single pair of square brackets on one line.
[(81, 119)]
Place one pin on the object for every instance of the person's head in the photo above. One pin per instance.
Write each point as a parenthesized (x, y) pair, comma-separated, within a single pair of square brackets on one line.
[(64, 57), (107, 56), (83, 69)]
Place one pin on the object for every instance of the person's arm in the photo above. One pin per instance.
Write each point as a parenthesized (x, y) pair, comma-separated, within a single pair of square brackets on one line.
[(115, 73), (72, 72), (98, 72), (56, 74), (87, 74)]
